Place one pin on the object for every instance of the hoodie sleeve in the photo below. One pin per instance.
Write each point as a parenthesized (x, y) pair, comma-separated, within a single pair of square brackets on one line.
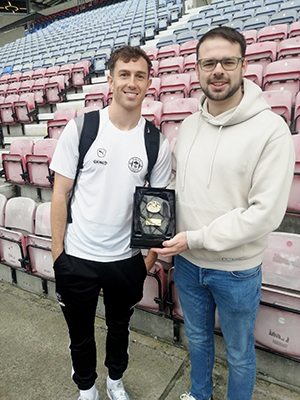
[(267, 202)]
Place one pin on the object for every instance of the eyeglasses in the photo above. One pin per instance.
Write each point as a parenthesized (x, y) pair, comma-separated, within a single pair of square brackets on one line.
[(228, 63)]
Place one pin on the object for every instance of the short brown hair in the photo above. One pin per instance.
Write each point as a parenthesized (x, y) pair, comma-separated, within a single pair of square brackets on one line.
[(226, 33), (127, 53)]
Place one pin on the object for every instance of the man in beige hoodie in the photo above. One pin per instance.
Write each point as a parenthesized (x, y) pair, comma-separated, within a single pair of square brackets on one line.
[(234, 163)]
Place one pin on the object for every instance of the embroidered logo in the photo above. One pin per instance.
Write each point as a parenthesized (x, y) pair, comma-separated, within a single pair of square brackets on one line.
[(135, 164), (101, 153)]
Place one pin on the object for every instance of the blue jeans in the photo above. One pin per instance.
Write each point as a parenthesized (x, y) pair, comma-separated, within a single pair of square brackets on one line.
[(236, 295)]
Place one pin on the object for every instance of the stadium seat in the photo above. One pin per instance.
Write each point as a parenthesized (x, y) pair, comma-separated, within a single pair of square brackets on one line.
[(60, 119), (254, 72), (14, 77), (171, 50), (176, 310), (3, 201), (152, 53), (283, 17), (277, 321), (80, 73), (280, 102), (38, 163), (39, 91), (293, 206), (154, 89), (294, 29), (66, 71), (39, 73), (189, 63), (262, 53), (283, 75), (170, 65), (273, 32), (250, 36), (52, 71), (26, 109), (154, 68), (55, 90), (7, 110), (3, 89), (281, 261), (296, 127), (84, 110), (267, 10), (26, 86), (243, 15), (188, 47), (26, 75), (38, 246), (289, 48), (13, 162), (173, 113), (97, 96), (174, 86), (152, 111), (290, 5), (19, 220), (154, 289), (195, 89), (13, 88)]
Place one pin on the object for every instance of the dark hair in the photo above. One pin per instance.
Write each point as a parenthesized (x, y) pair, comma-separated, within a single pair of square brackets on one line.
[(127, 53), (226, 33)]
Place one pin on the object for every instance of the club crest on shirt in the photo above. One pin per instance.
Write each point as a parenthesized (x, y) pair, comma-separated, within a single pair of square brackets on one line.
[(135, 164), (101, 153)]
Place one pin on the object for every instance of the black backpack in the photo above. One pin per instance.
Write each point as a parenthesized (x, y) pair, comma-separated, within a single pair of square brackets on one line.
[(87, 127)]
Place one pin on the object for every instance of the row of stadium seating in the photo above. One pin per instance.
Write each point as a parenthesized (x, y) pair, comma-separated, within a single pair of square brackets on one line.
[(25, 244)]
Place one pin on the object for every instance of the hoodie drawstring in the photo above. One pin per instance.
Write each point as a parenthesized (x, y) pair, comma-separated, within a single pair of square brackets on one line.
[(213, 158)]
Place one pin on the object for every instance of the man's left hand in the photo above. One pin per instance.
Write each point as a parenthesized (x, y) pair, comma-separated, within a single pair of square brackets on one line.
[(173, 246)]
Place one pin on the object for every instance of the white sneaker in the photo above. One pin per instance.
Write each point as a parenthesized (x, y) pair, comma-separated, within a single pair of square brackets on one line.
[(187, 396), (96, 397), (117, 392)]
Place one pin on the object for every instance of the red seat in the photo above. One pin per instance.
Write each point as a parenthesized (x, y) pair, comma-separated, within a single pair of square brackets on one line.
[(55, 90), (39, 73), (61, 117), (171, 50), (14, 77), (189, 63), (152, 53), (154, 289), (66, 72), (26, 86), (25, 108), (152, 111), (250, 36), (293, 206), (294, 29), (171, 65), (289, 48), (13, 88), (195, 89), (7, 110), (254, 72), (174, 86), (80, 73), (188, 48), (26, 75), (262, 53), (97, 96), (273, 32), (154, 89), (280, 102), (52, 71), (85, 110), (39, 91), (38, 163)]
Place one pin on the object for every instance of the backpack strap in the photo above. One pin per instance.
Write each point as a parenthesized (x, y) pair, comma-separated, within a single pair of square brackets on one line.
[(87, 128), (152, 140)]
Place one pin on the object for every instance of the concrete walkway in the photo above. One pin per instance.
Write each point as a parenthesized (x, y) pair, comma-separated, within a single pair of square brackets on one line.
[(35, 363)]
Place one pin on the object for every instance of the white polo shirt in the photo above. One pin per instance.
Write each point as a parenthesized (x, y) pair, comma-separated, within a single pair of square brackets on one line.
[(102, 203)]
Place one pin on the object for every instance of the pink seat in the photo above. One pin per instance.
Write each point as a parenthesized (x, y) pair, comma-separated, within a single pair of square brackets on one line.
[(152, 53), (296, 127), (262, 53), (282, 260), (25, 108), (254, 72), (19, 221), (280, 102), (39, 90), (250, 36), (26, 86), (276, 327), (39, 245), (14, 77), (154, 68), (26, 75), (39, 73), (97, 96), (171, 50), (80, 73), (3, 89), (84, 110), (289, 48), (171, 65), (66, 71), (273, 32), (152, 111), (7, 110), (187, 48), (294, 29), (52, 71), (4, 78), (176, 310), (154, 88), (14, 163), (3, 201), (189, 63), (195, 89), (293, 206), (283, 75), (154, 289), (55, 90), (38, 163), (61, 117), (174, 86), (173, 113), (13, 88)]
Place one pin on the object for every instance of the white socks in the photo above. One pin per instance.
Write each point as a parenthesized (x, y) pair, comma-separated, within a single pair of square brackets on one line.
[(111, 383), (89, 394)]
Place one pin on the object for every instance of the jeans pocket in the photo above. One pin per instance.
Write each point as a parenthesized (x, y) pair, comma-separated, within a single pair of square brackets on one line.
[(246, 274)]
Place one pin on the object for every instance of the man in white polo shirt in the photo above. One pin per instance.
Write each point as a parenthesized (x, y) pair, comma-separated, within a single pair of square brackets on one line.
[(93, 252)]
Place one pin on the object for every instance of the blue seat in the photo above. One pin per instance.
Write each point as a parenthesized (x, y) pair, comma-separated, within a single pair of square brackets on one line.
[(62, 60), (243, 15), (237, 24), (254, 5), (290, 5), (284, 17), (256, 22), (166, 41), (183, 28), (186, 36), (202, 23), (222, 20)]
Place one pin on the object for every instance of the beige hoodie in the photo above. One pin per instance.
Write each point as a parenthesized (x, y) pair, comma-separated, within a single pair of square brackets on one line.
[(233, 177)]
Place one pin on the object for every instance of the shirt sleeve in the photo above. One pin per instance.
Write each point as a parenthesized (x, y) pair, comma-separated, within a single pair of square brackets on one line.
[(161, 173), (66, 153)]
